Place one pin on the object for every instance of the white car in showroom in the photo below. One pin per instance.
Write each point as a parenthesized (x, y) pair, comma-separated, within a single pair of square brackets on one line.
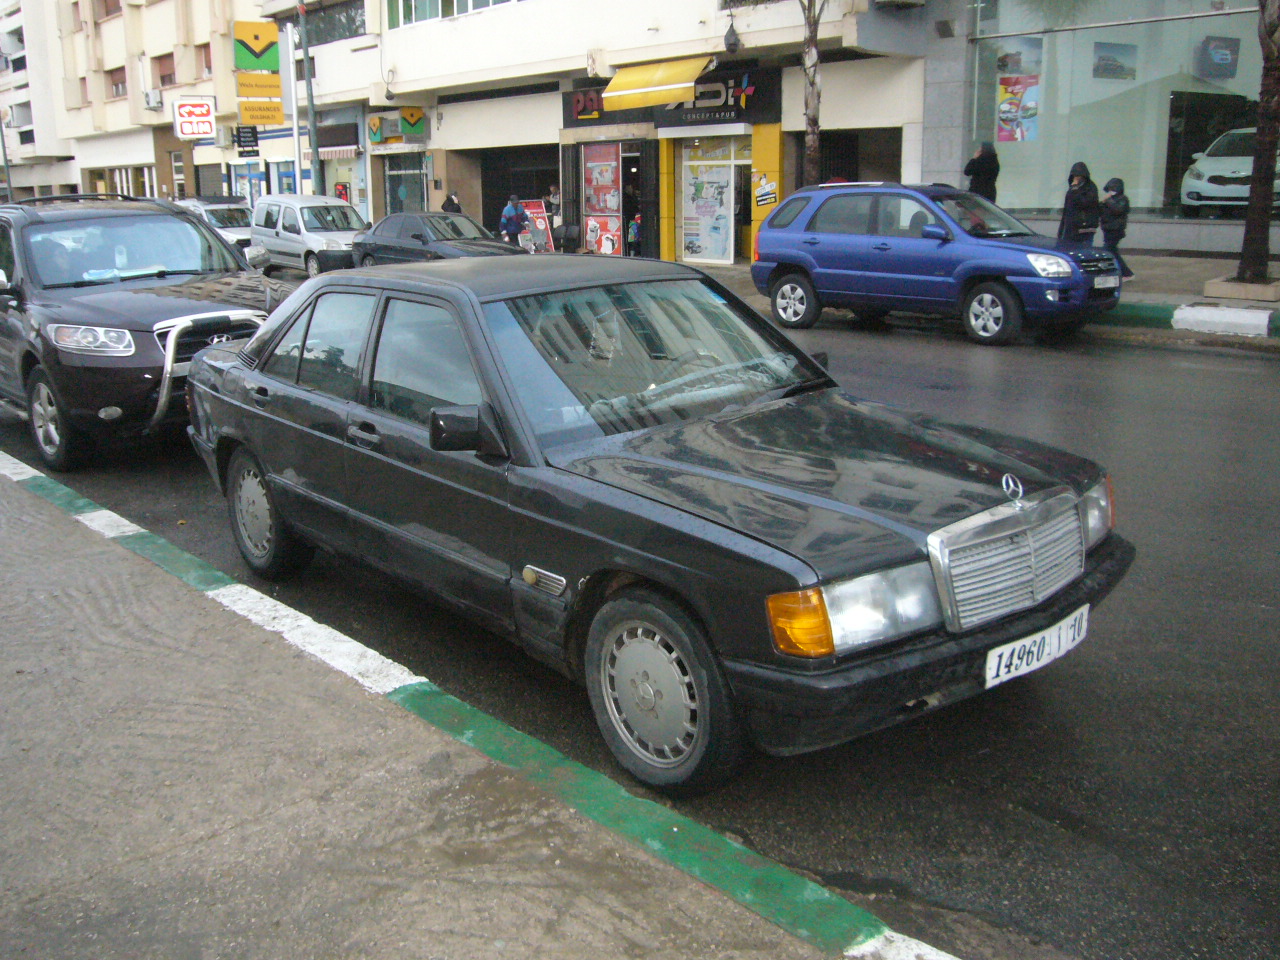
[(1219, 177)]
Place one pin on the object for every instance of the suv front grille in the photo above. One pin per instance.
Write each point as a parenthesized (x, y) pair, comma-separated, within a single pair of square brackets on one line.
[(1007, 559), (206, 330), (1095, 263)]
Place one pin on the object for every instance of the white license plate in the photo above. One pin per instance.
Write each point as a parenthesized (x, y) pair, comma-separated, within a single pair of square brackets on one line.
[(1102, 283), (1032, 653)]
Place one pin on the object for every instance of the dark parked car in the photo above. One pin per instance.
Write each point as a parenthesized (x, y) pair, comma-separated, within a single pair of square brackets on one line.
[(622, 467), (410, 237), (876, 248), (106, 300)]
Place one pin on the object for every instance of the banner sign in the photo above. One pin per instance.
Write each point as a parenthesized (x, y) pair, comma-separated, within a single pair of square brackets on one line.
[(193, 118), (722, 96)]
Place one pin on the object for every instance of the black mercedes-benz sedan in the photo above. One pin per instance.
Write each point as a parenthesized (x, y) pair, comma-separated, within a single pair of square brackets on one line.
[(629, 472), (414, 237)]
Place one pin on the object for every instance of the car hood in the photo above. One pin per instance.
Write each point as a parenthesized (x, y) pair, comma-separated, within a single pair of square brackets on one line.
[(1038, 242), (235, 233), (344, 237), (846, 485), (476, 248), (1227, 166), (140, 304)]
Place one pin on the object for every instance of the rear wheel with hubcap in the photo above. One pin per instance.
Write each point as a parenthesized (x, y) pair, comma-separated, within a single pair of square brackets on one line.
[(268, 546), (795, 303), (368, 261), (658, 695), (992, 314), (59, 444)]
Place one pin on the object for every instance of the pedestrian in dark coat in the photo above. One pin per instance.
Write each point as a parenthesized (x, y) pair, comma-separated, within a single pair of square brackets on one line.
[(1115, 221), (451, 204), (1080, 208), (982, 170)]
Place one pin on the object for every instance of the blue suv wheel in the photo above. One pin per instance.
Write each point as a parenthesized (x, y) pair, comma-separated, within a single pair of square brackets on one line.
[(795, 304)]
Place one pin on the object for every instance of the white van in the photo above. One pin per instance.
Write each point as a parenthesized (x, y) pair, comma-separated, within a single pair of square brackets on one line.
[(306, 232)]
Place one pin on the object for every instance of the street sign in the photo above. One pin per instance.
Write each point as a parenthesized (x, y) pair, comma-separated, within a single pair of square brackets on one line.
[(246, 136), (265, 113), (193, 118)]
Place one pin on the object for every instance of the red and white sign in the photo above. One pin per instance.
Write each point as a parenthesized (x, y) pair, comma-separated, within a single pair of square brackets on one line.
[(193, 118)]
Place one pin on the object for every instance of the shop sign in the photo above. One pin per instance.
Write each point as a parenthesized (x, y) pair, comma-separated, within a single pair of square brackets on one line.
[(397, 131), (249, 85), (722, 96), (262, 113), (257, 45), (246, 141), (193, 118)]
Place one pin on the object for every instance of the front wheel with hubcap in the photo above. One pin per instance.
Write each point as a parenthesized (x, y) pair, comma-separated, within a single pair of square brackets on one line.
[(268, 546), (59, 444), (795, 302), (313, 265), (368, 261), (658, 696), (992, 314)]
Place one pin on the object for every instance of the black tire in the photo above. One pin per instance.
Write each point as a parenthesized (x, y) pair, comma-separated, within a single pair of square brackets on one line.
[(795, 303), (659, 698), (992, 314), (60, 445), (312, 265), (268, 546), (368, 261)]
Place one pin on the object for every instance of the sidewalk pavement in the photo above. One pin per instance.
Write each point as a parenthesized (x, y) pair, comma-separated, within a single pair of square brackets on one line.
[(186, 776), (1165, 303)]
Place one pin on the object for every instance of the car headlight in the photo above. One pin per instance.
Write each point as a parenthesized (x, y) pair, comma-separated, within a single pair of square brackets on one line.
[(100, 341), (334, 245), (1099, 512), (1048, 265), (839, 617), (1195, 173)]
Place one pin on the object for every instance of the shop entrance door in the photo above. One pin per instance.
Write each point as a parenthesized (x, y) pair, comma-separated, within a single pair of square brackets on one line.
[(406, 182)]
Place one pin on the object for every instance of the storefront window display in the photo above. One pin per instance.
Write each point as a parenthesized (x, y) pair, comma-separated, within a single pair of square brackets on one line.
[(602, 198), (712, 171), (1134, 88)]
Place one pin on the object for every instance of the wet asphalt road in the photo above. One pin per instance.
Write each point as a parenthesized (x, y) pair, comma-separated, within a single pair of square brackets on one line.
[(1120, 803)]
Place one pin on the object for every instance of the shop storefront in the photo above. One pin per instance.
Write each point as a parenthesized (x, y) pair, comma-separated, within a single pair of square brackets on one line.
[(1136, 90), (398, 146)]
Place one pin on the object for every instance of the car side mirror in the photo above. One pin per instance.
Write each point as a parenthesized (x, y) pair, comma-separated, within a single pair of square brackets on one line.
[(6, 288), (421, 238), (257, 256), (467, 427), (934, 231), (1197, 156)]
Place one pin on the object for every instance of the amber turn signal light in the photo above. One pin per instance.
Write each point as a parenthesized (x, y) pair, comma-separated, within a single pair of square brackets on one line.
[(800, 624)]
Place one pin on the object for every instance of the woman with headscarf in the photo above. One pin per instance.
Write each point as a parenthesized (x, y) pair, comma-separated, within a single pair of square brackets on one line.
[(1080, 208), (1115, 221), (982, 170), (451, 204)]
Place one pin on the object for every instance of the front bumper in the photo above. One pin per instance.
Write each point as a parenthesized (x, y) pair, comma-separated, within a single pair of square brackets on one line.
[(1050, 297), (334, 259), (792, 712)]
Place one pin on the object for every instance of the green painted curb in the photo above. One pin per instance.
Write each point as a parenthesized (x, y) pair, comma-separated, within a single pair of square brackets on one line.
[(1152, 315), (58, 495), (184, 566), (1273, 324), (801, 907)]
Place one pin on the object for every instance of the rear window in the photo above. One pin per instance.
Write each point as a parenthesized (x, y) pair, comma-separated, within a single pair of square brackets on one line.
[(846, 213), (787, 213)]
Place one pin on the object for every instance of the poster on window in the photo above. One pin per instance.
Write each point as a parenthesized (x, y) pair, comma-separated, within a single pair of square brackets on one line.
[(1115, 61), (602, 198), (707, 215), (1017, 108), (536, 235)]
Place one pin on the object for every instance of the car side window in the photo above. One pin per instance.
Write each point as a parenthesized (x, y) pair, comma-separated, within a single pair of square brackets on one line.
[(422, 362), (283, 362), (409, 226), (270, 216), (788, 212), (847, 213), (289, 221), (903, 217), (6, 252), (389, 228), (322, 348)]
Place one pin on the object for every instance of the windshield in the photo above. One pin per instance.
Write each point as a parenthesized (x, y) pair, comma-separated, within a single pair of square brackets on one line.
[(1237, 143), (328, 219), (228, 216), (111, 249), (979, 217), (606, 360), (456, 226)]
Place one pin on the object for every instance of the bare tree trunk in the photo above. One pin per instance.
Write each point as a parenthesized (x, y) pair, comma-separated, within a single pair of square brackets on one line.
[(1255, 253), (813, 10)]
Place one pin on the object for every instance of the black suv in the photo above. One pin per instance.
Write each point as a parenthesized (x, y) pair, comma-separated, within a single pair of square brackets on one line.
[(106, 298)]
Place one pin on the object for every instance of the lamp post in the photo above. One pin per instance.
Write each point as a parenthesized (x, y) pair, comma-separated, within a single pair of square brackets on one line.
[(317, 171), (4, 148)]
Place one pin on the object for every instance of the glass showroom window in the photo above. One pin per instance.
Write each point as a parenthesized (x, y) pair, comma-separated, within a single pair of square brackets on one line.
[(1136, 91)]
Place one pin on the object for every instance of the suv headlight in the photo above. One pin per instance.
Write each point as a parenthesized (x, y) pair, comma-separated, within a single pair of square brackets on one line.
[(839, 617), (1195, 173), (100, 341), (1099, 512), (1047, 265), (334, 245)]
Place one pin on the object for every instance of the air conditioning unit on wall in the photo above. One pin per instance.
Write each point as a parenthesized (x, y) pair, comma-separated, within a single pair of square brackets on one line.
[(152, 100), (223, 136)]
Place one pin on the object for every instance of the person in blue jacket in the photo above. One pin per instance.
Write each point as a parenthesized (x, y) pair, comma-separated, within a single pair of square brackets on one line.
[(513, 220)]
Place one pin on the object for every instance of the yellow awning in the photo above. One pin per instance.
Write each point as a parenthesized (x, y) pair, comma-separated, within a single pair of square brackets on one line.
[(654, 84)]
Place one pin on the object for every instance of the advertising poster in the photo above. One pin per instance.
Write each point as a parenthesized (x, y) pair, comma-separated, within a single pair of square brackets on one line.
[(708, 212), (602, 198), (1115, 61), (536, 236), (1017, 108)]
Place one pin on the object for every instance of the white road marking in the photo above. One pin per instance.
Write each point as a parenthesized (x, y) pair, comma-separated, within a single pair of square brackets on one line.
[(15, 469), (108, 524), (894, 946)]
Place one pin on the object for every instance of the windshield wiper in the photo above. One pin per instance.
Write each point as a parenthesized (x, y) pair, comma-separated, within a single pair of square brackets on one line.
[(78, 283), (160, 272), (792, 389)]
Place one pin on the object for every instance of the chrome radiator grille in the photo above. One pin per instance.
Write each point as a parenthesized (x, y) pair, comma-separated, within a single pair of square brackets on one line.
[(1007, 559)]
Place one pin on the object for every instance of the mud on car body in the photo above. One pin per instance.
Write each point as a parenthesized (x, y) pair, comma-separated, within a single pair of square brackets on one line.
[(105, 301)]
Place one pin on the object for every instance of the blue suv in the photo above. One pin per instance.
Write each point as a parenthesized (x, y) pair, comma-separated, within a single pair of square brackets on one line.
[(874, 248)]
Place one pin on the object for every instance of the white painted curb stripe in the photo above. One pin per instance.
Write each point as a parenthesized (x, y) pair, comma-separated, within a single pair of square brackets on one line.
[(367, 667), (109, 524), (15, 469), (1237, 320), (894, 946)]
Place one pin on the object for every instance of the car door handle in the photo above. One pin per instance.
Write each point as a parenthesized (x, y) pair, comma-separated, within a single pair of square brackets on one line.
[(812, 241), (260, 395), (881, 246), (363, 435)]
